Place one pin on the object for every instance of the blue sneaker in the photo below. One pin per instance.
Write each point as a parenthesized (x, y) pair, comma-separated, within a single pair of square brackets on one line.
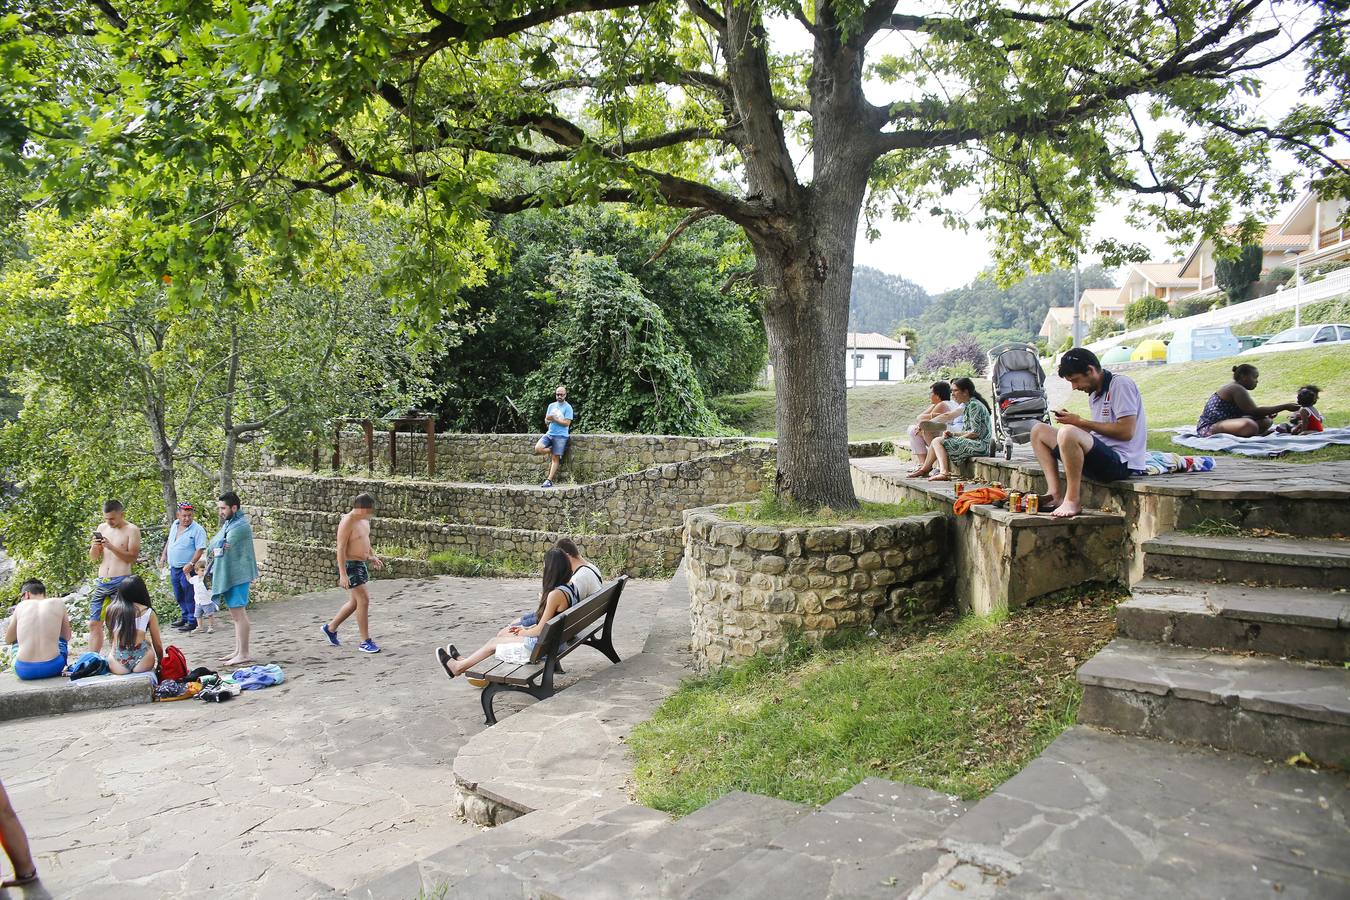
[(331, 635), (547, 483), (369, 646)]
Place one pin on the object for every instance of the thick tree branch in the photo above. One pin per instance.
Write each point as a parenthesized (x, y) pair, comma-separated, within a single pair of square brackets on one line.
[(708, 15), (111, 14), (449, 30)]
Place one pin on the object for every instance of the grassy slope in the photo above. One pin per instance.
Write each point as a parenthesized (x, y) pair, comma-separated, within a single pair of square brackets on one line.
[(874, 413), (958, 709), (1175, 395)]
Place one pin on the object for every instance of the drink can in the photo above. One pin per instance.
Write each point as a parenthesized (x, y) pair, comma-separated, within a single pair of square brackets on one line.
[(960, 488), (1033, 502), (1015, 502)]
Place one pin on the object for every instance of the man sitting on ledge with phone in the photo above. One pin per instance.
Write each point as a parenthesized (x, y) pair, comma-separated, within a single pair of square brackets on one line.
[(1110, 446)]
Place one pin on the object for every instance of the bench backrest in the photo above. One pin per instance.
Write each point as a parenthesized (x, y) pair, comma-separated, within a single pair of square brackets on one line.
[(559, 631)]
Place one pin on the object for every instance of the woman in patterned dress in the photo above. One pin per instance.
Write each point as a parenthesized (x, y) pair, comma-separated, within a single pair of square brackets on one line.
[(951, 449)]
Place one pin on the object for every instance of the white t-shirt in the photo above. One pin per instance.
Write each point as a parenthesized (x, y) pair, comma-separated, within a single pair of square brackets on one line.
[(200, 592), (586, 580)]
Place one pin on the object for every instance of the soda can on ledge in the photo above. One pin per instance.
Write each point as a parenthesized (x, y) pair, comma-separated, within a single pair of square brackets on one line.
[(1033, 502), (1015, 502), (960, 488)]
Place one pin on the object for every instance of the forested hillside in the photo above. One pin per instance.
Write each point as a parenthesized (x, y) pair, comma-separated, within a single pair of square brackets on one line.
[(992, 314), (882, 301)]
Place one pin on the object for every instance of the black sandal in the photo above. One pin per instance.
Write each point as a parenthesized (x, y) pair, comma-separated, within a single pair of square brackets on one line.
[(20, 880)]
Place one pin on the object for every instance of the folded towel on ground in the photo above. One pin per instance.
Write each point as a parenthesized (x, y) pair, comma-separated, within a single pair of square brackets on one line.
[(251, 678), (1267, 446), (1160, 463)]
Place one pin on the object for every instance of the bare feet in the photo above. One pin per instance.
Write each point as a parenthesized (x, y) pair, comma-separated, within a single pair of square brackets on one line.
[(1066, 510), (239, 661)]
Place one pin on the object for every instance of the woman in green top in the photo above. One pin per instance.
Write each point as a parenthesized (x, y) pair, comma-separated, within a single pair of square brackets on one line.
[(974, 441)]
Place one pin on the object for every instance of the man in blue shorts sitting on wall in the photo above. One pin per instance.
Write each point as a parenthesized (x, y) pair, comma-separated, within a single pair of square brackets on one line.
[(1110, 446), (559, 424)]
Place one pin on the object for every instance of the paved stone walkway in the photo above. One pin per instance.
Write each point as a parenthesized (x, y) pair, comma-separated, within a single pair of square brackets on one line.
[(319, 784)]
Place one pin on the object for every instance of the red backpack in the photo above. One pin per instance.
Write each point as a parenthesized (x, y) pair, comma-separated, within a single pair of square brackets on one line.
[(173, 667)]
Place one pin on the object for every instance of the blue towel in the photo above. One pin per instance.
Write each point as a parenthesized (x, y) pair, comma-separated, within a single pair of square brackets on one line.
[(88, 665), (252, 678)]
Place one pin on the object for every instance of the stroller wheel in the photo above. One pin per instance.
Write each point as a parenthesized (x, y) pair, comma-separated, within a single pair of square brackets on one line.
[(1007, 449)]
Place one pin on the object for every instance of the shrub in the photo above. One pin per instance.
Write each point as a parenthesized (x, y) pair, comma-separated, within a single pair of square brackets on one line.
[(1235, 276), (964, 352), (1145, 310), (1104, 327), (1066, 343), (1279, 275), (1193, 306)]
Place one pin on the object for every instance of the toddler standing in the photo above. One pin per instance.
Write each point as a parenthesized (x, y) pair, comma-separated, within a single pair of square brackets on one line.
[(206, 605)]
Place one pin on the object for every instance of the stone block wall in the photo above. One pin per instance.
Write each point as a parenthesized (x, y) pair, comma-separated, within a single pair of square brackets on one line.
[(653, 498), (300, 553), (509, 458), (752, 586)]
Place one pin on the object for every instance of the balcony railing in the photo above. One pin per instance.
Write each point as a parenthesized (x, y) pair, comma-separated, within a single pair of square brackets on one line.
[(1330, 236)]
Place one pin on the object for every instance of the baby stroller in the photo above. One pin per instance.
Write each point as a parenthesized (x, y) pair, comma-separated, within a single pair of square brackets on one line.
[(1019, 394)]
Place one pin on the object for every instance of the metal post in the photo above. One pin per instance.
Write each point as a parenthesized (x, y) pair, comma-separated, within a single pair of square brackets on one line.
[(1077, 325), (1298, 291), (431, 447)]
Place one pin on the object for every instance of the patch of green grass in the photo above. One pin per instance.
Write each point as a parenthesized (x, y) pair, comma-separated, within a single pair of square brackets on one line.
[(959, 709), (1215, 528), (1174, 395), (469, 565), (775, 512), (1336, 309), (875, 412)]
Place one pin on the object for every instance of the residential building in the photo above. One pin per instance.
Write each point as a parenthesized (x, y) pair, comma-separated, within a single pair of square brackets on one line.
[(874, 359), (1319, 221), (1057, 325), (1155, 279), (1096, 302), (1198, 266)]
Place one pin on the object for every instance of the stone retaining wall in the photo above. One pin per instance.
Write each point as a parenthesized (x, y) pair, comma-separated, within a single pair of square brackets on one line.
[(300, 547), (509, 458), (751, 586), (641, 501)]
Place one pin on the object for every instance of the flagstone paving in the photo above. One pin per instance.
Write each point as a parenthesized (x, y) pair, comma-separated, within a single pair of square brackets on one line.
[(301, 790)]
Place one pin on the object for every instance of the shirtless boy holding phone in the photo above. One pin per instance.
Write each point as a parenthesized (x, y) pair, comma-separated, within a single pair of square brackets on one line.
[(354, 558), (114, 546)]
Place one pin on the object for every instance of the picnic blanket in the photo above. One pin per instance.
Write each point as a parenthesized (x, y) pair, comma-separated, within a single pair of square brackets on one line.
[(1160, 463), (1268, 446)]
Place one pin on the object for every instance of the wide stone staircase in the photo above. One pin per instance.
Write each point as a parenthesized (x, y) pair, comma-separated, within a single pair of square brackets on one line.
[(1180, 781)]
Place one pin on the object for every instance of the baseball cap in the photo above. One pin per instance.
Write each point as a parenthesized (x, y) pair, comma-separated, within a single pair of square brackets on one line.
[(186, 505)]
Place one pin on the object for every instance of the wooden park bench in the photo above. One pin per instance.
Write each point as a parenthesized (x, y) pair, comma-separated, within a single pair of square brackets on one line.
[(589, 623)]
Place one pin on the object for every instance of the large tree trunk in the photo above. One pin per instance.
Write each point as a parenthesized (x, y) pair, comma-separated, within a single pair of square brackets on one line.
[(808, 281)]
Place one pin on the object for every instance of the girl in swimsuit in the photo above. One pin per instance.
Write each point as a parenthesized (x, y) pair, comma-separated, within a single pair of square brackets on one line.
[(557, 596), (1231, 409), (133, 629)]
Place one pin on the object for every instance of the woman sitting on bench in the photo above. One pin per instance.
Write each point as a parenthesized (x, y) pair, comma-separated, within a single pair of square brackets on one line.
[(557, 596)]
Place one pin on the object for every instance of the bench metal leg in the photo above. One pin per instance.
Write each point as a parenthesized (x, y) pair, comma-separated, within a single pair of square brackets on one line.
[(605, 646), (490, 692)]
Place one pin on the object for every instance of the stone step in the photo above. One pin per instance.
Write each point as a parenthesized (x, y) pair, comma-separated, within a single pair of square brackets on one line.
[(1261, 705), (741, 815), (875, 840), (1113, 817), (1301, 623), (1284, 561)]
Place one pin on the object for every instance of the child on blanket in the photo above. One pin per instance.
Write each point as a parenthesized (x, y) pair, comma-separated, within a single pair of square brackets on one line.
[(1307, 420)]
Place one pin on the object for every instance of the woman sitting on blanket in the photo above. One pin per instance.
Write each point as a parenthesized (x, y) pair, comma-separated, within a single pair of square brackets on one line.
[(1231, 409), (556, 596)]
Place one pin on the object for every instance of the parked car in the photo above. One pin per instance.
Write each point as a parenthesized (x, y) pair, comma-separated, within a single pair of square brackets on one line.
[(1303, 337), (1196, 344)]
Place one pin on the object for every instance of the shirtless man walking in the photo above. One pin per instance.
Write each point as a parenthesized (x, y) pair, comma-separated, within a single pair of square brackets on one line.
[(41, 627), (353, 554), (115, 546)]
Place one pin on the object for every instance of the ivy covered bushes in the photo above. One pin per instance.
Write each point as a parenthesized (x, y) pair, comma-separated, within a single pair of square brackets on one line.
[(612, 346)]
